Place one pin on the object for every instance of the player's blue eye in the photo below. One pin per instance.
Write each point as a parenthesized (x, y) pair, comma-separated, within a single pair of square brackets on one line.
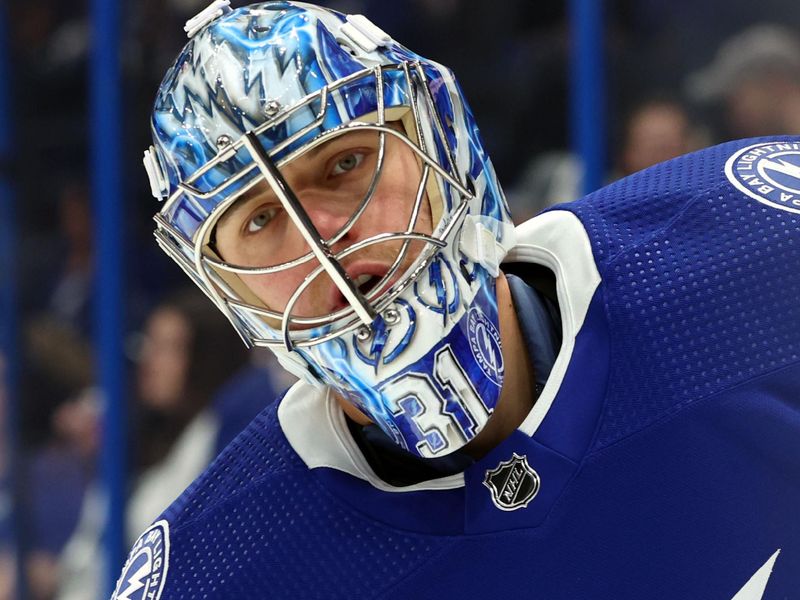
[(347, 163), (261, 220)]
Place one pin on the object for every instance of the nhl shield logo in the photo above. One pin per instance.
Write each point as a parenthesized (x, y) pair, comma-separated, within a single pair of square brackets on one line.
[(513, 483)]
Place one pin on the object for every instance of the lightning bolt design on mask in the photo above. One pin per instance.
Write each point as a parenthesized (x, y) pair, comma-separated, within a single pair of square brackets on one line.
[(380, 335), (436, 280), (435, 276), (380, 340)]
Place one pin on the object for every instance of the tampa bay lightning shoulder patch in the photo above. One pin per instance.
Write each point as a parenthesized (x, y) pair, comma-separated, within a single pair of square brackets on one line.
[(145, 571), (768, 172)]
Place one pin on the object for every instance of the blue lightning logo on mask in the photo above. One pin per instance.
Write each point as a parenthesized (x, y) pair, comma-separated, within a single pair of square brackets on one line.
[(381, 349), (442, 281), (484, 341), (380, 334), (435, 275)]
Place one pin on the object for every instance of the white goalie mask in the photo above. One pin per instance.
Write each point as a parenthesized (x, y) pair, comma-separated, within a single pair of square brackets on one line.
[(328, 190)]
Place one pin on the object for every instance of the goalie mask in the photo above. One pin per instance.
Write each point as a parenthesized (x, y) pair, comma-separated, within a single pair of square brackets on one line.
[(328, 190)]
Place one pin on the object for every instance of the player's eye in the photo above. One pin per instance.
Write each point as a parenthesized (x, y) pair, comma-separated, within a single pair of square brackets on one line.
[(348, 162), (261, 219)]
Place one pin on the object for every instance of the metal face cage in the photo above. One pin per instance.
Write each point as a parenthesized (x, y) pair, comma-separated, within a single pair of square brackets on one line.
[(185, 224)]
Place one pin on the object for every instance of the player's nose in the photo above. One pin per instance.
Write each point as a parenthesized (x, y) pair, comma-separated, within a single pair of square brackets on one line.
[(330, 218)]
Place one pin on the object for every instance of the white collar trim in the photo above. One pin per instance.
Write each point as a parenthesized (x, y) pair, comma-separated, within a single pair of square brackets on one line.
[(558, 240), (316, 428)]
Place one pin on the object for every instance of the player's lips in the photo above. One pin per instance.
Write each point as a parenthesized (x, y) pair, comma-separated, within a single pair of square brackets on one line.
[(366, 276)]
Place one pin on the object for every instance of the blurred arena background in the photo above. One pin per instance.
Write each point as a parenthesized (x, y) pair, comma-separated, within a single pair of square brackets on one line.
[(115, 386)]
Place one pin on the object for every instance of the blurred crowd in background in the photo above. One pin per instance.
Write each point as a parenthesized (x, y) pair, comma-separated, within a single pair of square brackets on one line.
[(681, 75)]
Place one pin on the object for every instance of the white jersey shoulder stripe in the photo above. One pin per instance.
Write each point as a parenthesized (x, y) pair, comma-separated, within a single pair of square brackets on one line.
[(756, 586)]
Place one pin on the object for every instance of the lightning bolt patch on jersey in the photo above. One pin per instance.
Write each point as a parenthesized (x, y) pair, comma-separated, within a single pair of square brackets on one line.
[(146, 568)]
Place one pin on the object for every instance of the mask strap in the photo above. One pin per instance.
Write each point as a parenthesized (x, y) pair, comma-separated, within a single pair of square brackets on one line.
[(486, 241)]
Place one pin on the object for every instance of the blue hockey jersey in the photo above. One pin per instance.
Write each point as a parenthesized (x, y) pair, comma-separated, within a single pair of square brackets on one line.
[(661, 460)]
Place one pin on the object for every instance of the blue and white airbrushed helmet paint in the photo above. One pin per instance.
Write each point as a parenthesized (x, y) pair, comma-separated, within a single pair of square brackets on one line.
[(256, 87)]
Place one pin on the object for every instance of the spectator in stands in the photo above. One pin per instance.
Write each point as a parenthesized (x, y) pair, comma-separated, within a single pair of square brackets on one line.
[(186, 407), (655, 130), (755, 79), (178, 377), (56, 479)]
